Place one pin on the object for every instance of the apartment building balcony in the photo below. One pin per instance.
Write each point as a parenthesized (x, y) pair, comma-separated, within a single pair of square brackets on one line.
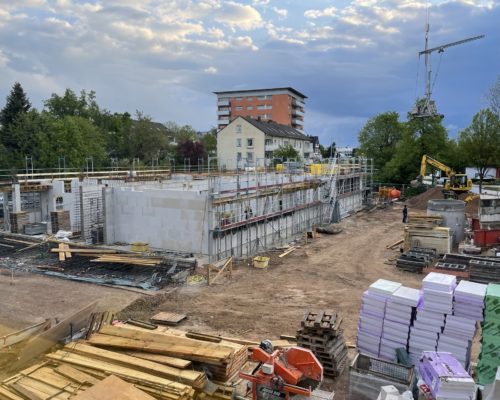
[(223, 103), (272, 147), (298, 111), (223, 112), (297, 121), (223, 120), (298, 103)]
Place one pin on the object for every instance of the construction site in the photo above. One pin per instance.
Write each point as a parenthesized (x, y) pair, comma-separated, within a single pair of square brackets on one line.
[(259, 283)]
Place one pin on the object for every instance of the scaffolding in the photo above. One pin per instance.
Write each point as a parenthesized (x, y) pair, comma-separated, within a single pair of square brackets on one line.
[(252, 211)]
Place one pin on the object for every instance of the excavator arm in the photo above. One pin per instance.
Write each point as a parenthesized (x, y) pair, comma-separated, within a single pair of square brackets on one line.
[(435, 163)]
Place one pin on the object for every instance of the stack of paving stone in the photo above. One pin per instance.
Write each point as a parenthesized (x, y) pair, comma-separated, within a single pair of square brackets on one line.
[(371, 316), (484, 271), (489, 359), (321, 332), (416, 259)]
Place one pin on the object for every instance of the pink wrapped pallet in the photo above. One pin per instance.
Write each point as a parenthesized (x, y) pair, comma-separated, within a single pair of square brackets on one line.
[(445, 376)]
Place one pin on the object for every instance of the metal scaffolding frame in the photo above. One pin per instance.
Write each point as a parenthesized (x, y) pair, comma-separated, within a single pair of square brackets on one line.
[(254, 210)]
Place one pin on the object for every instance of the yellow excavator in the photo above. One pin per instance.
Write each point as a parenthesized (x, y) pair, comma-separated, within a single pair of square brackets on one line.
[(454, 185)]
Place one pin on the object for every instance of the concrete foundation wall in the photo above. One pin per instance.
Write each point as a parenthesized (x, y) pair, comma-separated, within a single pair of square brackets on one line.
[(167, 219)]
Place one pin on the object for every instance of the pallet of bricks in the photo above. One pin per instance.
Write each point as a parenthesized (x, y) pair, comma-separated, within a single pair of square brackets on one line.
[(416, 259), (321, 333)]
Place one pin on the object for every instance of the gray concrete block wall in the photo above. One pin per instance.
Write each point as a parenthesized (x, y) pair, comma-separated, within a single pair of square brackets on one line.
[(167, 219)]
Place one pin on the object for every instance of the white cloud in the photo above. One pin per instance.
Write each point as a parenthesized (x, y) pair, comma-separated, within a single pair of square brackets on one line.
[(238, 16), (3, 59), (282, 12), (244, 42), (314, 14), (210, 70)]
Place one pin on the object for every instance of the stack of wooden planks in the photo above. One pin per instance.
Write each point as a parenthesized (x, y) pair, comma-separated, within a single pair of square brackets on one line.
[(164, 366), (221, 361), (107, 256)]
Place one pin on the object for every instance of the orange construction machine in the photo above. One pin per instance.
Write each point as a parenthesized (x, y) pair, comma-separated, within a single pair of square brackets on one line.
[(282, 373)]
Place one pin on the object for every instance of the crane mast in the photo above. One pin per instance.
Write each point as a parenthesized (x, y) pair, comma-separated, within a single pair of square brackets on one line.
[(427, 107)]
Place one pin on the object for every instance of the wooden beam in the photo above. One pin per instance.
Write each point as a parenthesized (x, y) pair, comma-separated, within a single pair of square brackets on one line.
[(287, 252)]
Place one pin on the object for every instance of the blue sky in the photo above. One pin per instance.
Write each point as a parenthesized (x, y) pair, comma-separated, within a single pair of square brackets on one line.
[(353, 59)]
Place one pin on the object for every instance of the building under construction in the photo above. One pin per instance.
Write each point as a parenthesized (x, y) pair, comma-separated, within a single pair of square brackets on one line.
[(210, 214)]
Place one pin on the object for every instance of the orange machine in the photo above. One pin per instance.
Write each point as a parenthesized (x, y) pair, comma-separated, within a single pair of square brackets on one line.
[(282, 373)]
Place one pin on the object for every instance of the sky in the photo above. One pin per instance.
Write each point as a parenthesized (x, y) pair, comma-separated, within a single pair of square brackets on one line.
[(353, 59)]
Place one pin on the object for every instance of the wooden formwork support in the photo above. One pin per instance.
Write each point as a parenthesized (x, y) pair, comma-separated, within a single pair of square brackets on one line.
[(215, 270)]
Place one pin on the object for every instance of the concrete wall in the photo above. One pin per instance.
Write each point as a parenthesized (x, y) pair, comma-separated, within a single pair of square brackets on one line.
[(168, 219)]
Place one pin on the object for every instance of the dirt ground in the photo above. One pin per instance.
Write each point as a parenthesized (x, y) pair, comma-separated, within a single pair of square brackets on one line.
[(30, 298), (332, 272)]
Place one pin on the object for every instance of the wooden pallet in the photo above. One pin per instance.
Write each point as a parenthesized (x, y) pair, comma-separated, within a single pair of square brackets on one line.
[(168, 318)]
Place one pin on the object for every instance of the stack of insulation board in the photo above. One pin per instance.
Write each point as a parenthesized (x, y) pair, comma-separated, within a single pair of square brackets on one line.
[(446, 377), (371, 316), (460, 327), (489, 358), (430, 319), (399, 315)]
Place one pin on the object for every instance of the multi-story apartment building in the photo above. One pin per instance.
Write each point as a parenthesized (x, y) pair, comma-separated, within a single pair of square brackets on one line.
[(247, 142), (284, 106)]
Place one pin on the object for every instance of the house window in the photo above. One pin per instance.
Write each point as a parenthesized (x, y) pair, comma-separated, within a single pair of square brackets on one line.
[(249, 157), (269, 141), (238, 156), (261, 97), (285, 142), (238, 108), (238, 128), (249, 108), (239, 98), (249, 142), (238, 142), (249, 98), (261, 107)]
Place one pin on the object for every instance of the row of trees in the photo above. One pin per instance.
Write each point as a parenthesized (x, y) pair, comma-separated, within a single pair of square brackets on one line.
[(74, 128), (397, 146)]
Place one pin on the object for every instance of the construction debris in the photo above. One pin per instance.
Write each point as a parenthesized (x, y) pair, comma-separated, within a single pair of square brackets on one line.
[(321, 332), (168, 318)]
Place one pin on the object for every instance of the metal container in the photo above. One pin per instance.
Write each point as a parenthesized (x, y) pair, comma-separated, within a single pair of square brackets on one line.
[(453, 213)]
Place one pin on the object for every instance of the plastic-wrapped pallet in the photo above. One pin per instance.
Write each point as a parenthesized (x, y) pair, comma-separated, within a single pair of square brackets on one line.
[(446, 377), (489, 358), (371, 316), (430, 319), (399, 315)]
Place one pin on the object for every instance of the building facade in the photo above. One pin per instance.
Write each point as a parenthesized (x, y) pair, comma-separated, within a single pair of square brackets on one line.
[(281, 105), (248, 142)]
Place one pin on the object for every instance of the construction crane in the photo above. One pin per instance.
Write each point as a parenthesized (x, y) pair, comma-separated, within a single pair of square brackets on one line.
[(455, 183), (427, 107)]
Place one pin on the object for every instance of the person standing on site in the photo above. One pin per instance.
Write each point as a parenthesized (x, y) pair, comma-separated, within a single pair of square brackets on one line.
[(405, 215)]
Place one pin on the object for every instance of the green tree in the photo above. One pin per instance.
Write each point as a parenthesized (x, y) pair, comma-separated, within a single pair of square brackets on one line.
[(209, 142), (17, 104), (327, 152), (286, 152), (73, 137), (378, 140), (147, 140), (180, 133), (70, 104), (480, 142), (493, 98), (24, 132)]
